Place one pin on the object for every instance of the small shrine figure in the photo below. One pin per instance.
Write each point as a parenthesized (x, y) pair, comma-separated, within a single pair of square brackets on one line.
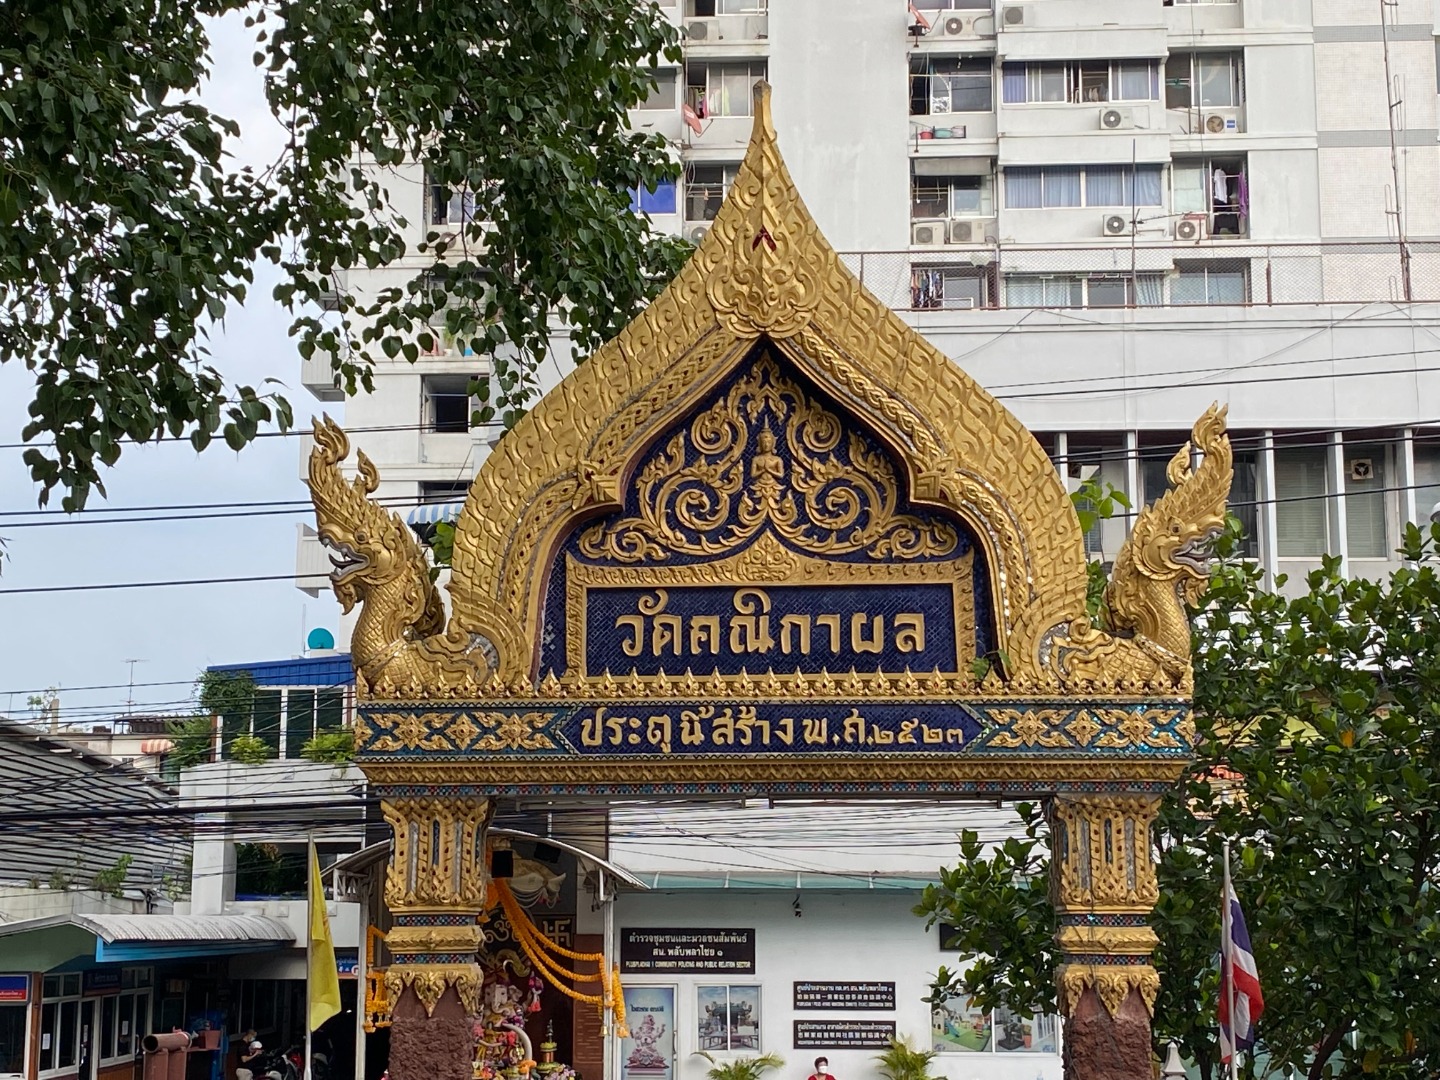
[(645, 1035)]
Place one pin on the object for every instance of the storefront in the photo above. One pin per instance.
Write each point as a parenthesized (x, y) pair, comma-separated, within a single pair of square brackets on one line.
[(802, 974)]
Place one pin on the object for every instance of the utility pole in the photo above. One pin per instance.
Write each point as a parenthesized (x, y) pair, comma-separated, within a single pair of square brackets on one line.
[(1393, 101)]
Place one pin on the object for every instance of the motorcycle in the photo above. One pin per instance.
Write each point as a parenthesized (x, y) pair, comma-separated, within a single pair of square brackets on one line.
[(273, 1065)]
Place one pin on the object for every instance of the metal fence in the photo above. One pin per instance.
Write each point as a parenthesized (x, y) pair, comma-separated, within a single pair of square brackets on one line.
[(1206, 274)]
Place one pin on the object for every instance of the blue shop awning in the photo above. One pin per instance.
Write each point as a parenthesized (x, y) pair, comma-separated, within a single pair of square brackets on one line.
[(430, 513), (148, 937)]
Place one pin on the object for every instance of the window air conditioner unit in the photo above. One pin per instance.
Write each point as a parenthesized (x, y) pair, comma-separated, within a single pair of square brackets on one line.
[(1013, 16), (958, 303), (928, 231), (696, 233), (955, 26), (1117, 119), (698, 30), (1361, 468), (1192, 227), (968, 230), (1117, 225), (1219, 124)]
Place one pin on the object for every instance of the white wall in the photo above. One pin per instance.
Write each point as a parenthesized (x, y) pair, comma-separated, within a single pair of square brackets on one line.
[(841, 109), (868, 936)]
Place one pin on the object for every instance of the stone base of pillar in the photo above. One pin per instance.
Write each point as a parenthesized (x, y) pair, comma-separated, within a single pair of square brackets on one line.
[(434, 1045), (1100, 1045)]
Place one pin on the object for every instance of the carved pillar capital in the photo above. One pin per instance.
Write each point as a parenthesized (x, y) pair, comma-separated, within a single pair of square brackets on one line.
[(1103, 886)]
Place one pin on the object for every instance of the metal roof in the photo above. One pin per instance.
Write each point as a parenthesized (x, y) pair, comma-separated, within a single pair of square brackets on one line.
[(359, 861), (134, 929), (71, 812), (327, 669)]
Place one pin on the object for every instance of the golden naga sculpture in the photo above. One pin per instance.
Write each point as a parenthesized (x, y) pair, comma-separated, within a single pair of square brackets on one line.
[(1163, 566), (400, 641)]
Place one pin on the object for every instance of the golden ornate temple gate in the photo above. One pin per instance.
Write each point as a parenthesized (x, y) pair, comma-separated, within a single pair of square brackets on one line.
[(770, 541)]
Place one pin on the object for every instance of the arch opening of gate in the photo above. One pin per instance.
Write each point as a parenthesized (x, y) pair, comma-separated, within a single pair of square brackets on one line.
[(769, 541)]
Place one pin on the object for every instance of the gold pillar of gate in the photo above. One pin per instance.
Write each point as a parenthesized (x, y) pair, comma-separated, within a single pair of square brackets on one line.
[(1103, 887), (435, 889)]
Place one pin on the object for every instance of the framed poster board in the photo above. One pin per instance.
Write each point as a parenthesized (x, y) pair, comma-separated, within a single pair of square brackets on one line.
[(648, 1052)]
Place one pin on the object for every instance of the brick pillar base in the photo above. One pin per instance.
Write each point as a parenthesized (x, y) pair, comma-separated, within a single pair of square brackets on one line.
[(1099, 1046), (437, 1046), (588, 1044)]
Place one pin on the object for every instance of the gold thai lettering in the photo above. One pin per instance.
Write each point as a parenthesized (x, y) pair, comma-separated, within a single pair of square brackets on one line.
[(657, 732), (632, 646), (750, 626), (704, 634), (744, 726), (910, 632), (857, 633), (753, 627), (800, 625), (692, 728), (749, 725), (592, 729)]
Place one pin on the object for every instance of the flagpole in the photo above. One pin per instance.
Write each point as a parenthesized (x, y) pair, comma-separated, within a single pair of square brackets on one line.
[(1227, 965), (309, 946)]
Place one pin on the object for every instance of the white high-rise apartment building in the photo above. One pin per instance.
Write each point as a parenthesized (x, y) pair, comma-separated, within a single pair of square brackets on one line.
[(1111, 212)]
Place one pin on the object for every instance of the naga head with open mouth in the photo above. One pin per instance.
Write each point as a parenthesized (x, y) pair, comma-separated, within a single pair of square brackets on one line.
[(368, 545), (1174, 538)]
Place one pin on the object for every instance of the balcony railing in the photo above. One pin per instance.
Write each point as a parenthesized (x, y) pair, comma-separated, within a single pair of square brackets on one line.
[(1222, 272)]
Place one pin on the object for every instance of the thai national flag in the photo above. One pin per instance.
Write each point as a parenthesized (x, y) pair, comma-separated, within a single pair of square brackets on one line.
[(1237, 968)]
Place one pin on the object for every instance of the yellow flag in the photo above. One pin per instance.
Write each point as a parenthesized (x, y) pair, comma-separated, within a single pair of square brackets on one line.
[(322, 978)]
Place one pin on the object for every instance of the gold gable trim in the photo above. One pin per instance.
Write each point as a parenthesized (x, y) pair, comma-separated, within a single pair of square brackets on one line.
[(764, 270)]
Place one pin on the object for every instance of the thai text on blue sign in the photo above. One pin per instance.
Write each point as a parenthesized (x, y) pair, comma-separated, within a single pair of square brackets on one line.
[(704, 629)]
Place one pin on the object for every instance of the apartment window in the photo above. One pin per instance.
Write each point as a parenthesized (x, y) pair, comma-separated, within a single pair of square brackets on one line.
[(447, 206), (1300, 516), (1427, 474), (1080, 82), (1031, 188), (704, 9), (954, 5), (934, 288), (1044, 290), (1123, 185), (662, 200), (1244, 501), (1117, 290), (1209, 283), (662, 97), (446, 403), (951, 85), (440, 491), (722, 89), (705, 190), (309, 713), (1204, 80), (1365, 531), (1216, 187), (951, 196)]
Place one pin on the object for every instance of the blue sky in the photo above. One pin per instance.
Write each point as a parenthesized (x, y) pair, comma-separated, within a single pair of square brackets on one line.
[(73, 639)]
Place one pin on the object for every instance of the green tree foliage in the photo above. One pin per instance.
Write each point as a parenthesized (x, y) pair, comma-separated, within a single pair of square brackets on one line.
[(126, 231), (330, 747), (111, 880), (194, 738), (1325, 709), (741, 1068), (248, 750), (267, 870), (901, 1061)]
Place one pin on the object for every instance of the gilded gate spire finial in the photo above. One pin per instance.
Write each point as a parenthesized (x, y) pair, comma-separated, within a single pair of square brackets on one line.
[(768, 283)]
